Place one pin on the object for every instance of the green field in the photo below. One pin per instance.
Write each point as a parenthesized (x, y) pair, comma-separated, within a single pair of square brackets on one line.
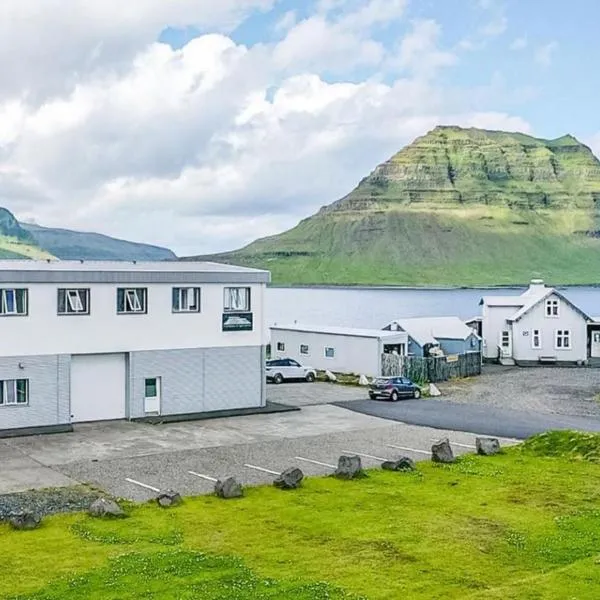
[(521, 525)]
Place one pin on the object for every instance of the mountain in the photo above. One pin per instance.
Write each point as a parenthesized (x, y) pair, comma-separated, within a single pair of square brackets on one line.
[(455, 207), (22, 240)]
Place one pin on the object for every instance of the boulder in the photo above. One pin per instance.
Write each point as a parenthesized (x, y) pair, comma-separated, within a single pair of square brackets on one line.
[(290, 479), (24, 521), (400, 464), (330, 376), (487, 446), (441, 452), (363, 380), (348, 467), (105, 507), (228, 488), (168, 498), (434, 391)]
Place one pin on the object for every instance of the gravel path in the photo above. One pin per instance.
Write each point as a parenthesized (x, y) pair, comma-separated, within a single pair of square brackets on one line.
[(47, 502), (547, 390)]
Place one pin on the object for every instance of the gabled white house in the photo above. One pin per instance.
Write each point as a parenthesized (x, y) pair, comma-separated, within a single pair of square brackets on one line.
[(539, 326)]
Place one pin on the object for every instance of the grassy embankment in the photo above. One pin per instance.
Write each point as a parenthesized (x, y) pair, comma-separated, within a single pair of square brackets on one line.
[(522, 525), (15, 248)]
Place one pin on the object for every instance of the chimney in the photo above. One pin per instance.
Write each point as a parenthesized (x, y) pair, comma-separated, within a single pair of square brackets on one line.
[(536, 285)]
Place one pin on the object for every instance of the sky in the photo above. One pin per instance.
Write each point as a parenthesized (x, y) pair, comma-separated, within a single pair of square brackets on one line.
[(202, 125)]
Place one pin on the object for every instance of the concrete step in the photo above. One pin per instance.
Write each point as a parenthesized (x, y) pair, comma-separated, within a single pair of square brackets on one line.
[(507, 362)]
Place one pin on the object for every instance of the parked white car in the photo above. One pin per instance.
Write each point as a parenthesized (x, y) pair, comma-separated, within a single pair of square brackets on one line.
[(287, 369)]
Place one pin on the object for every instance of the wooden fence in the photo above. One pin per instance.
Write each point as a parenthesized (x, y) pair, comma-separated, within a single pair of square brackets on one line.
[(431, 369)]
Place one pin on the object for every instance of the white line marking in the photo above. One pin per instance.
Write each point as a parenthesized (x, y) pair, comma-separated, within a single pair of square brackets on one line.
[(315, 462), (457, 444), (263, 469), (207, 477), (365, 455), (144, 485), (408, 449)]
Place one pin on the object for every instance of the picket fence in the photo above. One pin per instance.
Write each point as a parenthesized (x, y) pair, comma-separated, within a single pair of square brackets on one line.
[(431, 369)]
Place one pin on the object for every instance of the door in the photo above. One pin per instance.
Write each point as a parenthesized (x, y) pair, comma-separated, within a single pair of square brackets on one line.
[(595, 344), (293, 370), (97, 387), (152, 387), (506, 343)]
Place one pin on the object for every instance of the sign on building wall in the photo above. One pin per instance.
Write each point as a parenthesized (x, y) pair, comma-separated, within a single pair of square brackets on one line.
[(238, 322)]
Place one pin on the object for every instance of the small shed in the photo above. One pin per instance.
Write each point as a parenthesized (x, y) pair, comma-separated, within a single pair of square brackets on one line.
[(337, 349)]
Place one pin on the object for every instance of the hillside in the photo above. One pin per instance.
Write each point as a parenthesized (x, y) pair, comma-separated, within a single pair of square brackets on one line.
[(456, 207), (21, 240)]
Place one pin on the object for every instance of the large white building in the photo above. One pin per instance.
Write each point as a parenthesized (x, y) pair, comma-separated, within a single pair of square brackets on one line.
[(89, 341)]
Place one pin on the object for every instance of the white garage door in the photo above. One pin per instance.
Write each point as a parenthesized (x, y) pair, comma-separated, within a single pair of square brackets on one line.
[(97, 387)]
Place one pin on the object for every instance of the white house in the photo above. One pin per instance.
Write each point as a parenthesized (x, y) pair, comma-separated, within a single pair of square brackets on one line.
[(337, 349), (539, 326), (90, 341)]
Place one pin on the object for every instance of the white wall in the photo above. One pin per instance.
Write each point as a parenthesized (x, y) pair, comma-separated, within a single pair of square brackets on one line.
[(536, 319), (42, 331), (494, 322), (352, 354)]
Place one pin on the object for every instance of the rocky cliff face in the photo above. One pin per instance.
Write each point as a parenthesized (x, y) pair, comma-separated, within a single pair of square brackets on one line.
[(10, 227)]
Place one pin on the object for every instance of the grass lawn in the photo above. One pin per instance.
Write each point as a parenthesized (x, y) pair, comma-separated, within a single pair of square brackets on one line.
[(521, 525)]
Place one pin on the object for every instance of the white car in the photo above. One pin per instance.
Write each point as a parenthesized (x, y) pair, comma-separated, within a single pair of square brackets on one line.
[(287, 369)]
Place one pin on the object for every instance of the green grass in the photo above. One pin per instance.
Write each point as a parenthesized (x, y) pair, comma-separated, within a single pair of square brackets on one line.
[(14, 248), (518, 526)]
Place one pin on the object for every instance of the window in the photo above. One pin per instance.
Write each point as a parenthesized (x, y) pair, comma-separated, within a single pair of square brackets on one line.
[(14, 392), (186, 300), (536, 339), (237, 299), (73, 302), (150, 388), (303, 349), (329, 352), (505, 339), (563, 339), (290, 363), (552, 308), (13, 302), (131, 300), (280, 347)]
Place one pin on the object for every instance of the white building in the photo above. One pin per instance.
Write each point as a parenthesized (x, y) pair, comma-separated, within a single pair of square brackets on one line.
[(88, 341), (337, 349), (539, 326)]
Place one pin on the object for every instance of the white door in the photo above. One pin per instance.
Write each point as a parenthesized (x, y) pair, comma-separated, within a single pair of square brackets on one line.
[(97, 387), (595, 345), (506, 343), (293, 370), (152, 387)]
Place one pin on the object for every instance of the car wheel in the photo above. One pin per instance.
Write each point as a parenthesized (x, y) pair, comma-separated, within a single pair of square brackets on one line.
[(417, 394), (310, 377), (394, 397), (372, 396), (278, 378)]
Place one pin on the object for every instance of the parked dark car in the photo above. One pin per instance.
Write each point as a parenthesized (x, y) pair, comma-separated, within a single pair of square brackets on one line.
[(393, 388)]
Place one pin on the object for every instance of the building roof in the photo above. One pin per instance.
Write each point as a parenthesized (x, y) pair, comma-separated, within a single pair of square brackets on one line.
[(333, 330), (502, 301), (427, 330), (100, 271)]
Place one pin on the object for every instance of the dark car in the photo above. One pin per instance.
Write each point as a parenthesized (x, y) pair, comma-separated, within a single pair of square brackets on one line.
[(393, 388)]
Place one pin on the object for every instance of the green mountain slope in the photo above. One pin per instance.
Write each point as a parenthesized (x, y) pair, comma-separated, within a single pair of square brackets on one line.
[(456, 207), (16, 242)]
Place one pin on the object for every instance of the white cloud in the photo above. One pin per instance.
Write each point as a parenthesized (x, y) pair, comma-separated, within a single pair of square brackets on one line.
[(594, 143), (544, 55), (519, 43), (494, 28)]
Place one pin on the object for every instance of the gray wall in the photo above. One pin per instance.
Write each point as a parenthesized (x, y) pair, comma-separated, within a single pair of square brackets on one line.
[(199, 379), (49, 384)]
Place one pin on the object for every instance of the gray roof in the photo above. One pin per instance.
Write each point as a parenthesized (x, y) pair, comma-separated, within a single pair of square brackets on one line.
[(334, 330), (427, 330)]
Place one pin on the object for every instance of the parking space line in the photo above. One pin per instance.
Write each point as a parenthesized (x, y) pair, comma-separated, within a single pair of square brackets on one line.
[(408, 449), (144, 485), (263, 469), (365, 455), (457, 444), (207, 477), (315, 462)]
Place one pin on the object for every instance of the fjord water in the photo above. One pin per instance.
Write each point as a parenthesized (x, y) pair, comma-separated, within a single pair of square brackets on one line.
[(374, 308)]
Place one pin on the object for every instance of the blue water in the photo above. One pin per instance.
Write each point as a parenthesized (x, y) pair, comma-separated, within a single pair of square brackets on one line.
[(374, 308)]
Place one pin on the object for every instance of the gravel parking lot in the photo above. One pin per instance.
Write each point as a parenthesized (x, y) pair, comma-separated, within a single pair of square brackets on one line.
[(548, 390)]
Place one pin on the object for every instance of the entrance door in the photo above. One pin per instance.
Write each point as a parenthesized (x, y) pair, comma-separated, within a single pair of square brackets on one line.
[(152, 395), (506, 343), (595, 345)]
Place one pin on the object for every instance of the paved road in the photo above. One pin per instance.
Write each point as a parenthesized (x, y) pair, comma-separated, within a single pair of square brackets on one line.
[(474, 418)]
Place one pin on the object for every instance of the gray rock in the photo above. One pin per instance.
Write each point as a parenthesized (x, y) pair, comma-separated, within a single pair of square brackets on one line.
[(24, 521), (400, 464), (228, 488), (290, 479), (105, 507), (348, 467), (441, 452), (168, 498), (487, 446)]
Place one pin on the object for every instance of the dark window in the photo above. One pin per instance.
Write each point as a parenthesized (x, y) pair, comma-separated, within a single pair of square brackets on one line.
[(73, 302), (14, 391), (186, 299), (280, 347), (303, 349), (132, 300), (13, 301)]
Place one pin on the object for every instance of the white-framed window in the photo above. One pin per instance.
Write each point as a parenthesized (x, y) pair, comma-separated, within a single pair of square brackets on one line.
[(304, 349), (236, 299), (563, 339), (280, 347), (14, 392), (329, 352), (505, 339), (552, 307), (536, 339), (186, 299), (13, 301), (73, 302), (132, 300)]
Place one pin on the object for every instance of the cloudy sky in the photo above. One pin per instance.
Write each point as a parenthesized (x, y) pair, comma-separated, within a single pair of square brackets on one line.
[(203, 124)]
